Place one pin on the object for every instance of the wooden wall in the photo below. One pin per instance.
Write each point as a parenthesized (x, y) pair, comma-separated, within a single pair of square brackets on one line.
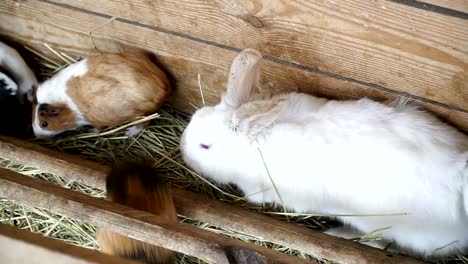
[(333, 48)]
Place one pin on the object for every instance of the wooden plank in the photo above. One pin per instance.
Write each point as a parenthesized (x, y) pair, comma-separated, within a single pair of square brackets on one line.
[(457, 5), (70, 167), (314, 243), (383, 43), (34, 23), (21, 246), (137, 224)]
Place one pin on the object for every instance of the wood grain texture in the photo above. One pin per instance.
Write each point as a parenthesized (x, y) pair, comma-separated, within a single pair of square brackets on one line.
[(458, 5), (67, 166), (140, 225), (378, 42), (22, 246), (196, 206), (35, 23)]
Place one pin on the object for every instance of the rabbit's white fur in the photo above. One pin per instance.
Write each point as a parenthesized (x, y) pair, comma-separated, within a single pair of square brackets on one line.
[(338, 157)]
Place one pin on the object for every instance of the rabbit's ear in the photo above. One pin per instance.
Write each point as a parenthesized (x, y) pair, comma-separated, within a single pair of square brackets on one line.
[(253, 118), (243, 78)]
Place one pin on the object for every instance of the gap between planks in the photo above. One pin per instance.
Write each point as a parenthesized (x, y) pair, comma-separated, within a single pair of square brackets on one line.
[(454, 8)]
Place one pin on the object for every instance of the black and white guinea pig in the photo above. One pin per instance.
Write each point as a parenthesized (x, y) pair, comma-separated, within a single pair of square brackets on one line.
[(14, 116), (16, 80), (8, 87), (15, 67), (101, 91)]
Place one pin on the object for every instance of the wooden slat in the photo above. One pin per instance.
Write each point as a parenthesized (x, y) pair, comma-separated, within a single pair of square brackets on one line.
[(21, 246), (457, 5), (36, 22), (197, 207), (379, 42), (124, 220)]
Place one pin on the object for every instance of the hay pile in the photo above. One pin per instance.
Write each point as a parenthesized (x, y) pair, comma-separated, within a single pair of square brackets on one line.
[(157, 143)]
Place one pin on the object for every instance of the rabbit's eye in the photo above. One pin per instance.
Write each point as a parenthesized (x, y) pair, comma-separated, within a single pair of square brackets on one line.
[(205, 146)]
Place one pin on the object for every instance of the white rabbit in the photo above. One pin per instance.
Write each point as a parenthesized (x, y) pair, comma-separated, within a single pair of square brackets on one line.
[(338, 157)]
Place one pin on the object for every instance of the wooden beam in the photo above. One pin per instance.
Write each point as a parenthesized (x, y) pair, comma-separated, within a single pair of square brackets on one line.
[(379, 42), (196, 206), (35, 23), (70, 167), (21, 246), (137, 224)]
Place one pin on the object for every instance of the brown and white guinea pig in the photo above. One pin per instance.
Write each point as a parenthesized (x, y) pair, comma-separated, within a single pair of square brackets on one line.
[(102, 91), (138, 186)]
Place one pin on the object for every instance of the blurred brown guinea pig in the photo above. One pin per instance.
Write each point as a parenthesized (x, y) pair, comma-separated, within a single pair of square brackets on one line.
[(101, 91), (138, 185)]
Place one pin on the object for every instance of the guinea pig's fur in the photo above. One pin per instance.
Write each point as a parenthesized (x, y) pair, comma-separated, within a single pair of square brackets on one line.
[(102, 91), (15, 117), (8, 87), (138, 186), (19, 64), (17, 78)]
